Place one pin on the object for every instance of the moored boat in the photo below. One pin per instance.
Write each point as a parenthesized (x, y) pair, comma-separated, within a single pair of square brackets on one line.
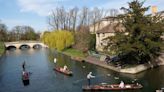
[(67, 72), (111, 87)]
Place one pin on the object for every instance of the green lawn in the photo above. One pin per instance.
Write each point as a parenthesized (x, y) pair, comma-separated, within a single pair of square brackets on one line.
[(1, 48), (74, 52)]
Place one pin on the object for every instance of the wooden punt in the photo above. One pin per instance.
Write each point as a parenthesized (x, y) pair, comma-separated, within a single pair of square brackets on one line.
[(67, 72), (111, 87)]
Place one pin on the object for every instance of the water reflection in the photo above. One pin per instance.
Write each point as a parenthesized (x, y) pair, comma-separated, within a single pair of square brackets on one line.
[(45, 79)]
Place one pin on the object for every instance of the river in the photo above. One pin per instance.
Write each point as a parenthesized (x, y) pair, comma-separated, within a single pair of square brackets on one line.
[(44, 79)]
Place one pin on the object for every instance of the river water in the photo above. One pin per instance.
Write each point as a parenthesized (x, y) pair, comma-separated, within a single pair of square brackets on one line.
[(44, 79)]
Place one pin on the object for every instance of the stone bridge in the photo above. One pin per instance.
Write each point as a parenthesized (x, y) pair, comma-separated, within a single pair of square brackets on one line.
[(19, 44)]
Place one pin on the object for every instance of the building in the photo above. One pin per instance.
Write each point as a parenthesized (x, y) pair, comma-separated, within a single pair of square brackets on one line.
[(105, 32), (107, 27), (102, 23), (104, 28)]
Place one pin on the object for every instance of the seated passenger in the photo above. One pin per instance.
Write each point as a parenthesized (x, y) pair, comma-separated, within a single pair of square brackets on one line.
[(65, 68), (121, 84)]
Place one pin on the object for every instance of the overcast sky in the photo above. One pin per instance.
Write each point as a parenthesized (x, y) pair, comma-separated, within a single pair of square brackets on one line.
[(34, 13)]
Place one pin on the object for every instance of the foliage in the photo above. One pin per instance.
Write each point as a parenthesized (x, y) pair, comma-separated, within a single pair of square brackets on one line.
[(23, 33), (2, 48), (59, 40), (83, 39), (3, 32), (92, 43), (74, 52), (29, 33), (143, 42)]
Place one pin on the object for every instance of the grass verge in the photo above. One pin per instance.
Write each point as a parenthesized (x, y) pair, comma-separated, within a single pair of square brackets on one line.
[(74, 53), (2, 48)]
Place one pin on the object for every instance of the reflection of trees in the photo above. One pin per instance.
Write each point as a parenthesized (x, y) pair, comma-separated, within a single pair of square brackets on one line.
[(154, 77), (133, 76), (50, 55), (61, 58)]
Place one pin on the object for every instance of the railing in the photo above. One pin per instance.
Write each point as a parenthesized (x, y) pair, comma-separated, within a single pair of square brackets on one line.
[(23, 42)]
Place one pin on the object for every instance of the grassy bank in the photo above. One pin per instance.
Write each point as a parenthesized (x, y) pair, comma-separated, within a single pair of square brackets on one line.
[(1, 48), (74, 53)]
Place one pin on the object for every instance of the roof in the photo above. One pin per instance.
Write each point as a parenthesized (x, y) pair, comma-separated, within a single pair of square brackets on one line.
[(111, 28), (161, 12)]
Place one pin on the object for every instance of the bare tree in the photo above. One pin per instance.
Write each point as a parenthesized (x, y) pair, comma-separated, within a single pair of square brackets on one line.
[(113, 12), (73, 18), (74, 13)]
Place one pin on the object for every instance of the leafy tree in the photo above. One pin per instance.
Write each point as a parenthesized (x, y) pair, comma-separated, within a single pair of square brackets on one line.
[(143, 42), (23, 33), (92, 43), (59, 40), (3, 32), (29, 33)]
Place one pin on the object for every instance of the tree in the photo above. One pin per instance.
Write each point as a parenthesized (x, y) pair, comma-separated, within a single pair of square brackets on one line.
[(142, 42), (62, 19), (59, 39), (83, 39), (23, 33), (3, 32), (29, 33), (17, 33)]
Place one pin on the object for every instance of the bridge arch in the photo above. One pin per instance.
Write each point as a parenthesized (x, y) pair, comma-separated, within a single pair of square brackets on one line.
[(36, 46), (24, 45), (10, 46)]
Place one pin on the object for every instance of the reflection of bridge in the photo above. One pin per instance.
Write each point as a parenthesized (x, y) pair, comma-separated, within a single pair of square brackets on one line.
[(19, 44)]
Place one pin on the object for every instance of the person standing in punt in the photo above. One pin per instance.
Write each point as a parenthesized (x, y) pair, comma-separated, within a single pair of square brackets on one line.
[(89, 76), (23, 66)]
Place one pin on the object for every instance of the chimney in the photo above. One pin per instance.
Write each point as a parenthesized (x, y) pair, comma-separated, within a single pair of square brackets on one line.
[(154, 9)]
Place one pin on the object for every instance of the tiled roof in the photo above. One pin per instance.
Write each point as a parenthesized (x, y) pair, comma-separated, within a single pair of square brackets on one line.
[(111, 28)]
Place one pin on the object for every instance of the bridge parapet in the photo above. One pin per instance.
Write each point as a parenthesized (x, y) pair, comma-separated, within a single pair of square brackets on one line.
[(18, 44)]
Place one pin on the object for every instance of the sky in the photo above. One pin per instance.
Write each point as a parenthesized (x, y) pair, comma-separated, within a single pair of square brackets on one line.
[(35, 13)]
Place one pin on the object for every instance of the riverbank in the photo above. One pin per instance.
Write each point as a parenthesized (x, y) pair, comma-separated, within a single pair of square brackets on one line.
[(2, 48), (79, 56), (131, 70)]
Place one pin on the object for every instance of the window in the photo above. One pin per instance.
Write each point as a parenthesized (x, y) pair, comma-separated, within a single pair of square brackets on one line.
[(101, 43), (98, 34), (103, 35)]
